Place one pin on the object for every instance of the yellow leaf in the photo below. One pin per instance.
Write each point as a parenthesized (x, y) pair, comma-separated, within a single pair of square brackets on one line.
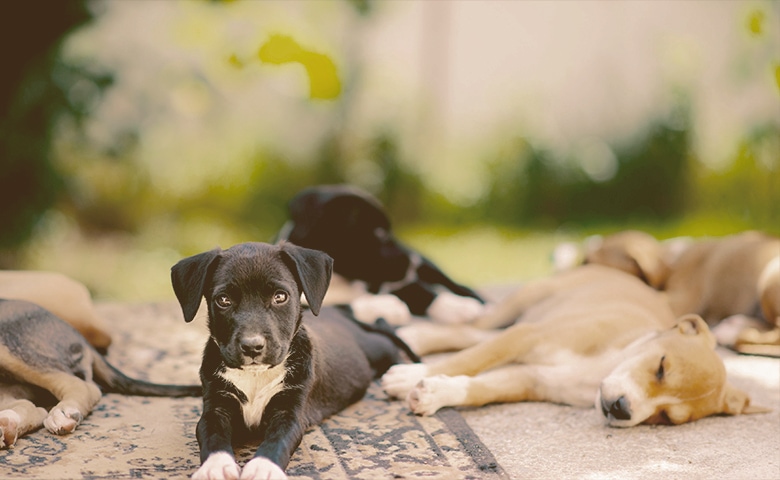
[(324, 82), (777, 76), (756, 22)]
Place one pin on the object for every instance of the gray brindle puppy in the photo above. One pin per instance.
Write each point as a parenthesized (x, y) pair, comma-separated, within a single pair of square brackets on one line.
[(43, 362)]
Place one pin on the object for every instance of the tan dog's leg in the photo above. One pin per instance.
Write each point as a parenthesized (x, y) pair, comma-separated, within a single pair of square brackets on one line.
[(513, 383), (507, 312), (18, 415), (76, 398), (506, 347), (426, 337)]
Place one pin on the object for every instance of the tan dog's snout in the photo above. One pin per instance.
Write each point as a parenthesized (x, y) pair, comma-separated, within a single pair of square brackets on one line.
[(617, 409), (671, 378)]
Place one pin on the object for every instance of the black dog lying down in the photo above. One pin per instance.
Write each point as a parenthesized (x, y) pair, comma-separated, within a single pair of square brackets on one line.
[(42, 358), (351, 226), (270, 368)]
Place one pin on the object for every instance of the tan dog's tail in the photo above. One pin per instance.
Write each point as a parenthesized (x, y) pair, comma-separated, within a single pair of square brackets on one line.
[(112, 380)]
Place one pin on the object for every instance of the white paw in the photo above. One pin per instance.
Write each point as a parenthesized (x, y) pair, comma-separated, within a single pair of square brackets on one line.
[(727, 332), (219, 466), (9, 428), (368, 308), (62, 420), (401, 379), (433, 393), (450, 308), (260, 468), (414, 335)]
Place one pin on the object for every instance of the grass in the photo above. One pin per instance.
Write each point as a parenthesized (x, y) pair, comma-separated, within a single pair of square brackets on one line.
[(137, 268)]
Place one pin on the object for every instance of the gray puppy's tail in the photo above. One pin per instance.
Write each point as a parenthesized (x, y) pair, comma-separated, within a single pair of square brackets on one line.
[(111, 380)]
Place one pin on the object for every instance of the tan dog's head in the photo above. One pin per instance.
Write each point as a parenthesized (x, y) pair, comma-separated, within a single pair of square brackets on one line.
[(673, 377), (631, 251)]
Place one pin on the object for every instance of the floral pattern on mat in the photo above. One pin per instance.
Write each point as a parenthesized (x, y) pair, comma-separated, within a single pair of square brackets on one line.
[(136, 437)]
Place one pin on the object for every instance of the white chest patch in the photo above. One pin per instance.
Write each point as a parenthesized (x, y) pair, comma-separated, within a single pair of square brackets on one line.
[(259, 384)]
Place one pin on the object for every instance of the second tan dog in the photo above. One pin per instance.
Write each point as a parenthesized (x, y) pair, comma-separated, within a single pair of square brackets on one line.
[(66, 298), (736, 277), (589, 334)]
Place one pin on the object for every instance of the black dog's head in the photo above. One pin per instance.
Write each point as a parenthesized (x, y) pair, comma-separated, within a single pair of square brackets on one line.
[(253, 292), (352, 227)]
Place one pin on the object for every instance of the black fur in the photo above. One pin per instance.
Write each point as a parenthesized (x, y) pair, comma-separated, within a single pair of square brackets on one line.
[(329, 361), (351, 226)]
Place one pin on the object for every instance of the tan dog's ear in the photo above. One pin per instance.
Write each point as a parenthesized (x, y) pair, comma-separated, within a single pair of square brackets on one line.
[(650, 263), (691, 324), (737, 402)]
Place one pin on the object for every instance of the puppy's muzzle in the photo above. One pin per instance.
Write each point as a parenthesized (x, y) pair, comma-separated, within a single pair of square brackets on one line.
[(618, 409), (252, 346)]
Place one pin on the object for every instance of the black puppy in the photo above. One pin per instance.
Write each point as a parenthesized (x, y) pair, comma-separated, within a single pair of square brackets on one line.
[(270, 369), (351, 226)]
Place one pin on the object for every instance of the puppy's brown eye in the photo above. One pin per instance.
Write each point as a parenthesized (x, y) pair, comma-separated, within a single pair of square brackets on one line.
[(223, 301), (659, 374), (280, 297)]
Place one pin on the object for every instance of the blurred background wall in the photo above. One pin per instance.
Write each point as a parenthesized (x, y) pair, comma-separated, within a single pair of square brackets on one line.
[(134, 133)]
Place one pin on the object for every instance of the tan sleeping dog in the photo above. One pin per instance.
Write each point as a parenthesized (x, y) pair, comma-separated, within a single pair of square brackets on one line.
[(735, 277), (61, 295), (589, 333)]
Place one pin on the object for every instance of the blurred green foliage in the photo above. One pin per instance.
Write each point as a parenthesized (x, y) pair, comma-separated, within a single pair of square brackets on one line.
[(652, 179)]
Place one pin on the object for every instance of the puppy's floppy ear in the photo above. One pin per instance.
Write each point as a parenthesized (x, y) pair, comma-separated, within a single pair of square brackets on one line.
[(188, 278), (312, 270)]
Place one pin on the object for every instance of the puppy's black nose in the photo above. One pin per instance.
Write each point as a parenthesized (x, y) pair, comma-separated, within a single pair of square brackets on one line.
[(620, 409), (252, 346)]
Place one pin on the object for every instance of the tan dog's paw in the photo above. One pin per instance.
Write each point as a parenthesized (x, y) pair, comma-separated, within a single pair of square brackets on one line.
[(368, 308), (260, 468), (433, 393), (418, 336), (61, 421), (9, 428), (219, 466), (399, 380), (454, 309)]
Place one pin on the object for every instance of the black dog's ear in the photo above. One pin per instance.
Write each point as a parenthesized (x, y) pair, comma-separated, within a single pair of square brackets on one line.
[(188, 277), (312, 270)]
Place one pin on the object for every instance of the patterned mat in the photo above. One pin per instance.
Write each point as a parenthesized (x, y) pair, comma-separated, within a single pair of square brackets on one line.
[(135, 437)]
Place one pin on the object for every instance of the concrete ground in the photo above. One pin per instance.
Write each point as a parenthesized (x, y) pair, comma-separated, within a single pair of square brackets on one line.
[(546, 441)]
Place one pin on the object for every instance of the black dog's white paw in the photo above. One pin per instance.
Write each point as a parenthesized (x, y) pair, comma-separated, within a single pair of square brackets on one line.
[(260, 468), (219, 466), (368, 308), (454, 309)]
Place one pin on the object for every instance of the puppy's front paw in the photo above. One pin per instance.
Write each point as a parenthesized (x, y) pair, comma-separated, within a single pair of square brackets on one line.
[(219, 466), (454, 309), (368, 308), (9, 428), (260, 468), (400, 379), (62, 420), (433, 393)]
